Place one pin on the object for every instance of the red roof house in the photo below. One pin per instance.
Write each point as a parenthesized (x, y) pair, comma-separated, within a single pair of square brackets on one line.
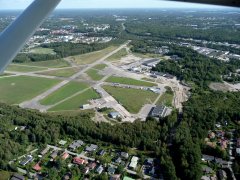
[(37, 167), (79, 161), (65, 156)]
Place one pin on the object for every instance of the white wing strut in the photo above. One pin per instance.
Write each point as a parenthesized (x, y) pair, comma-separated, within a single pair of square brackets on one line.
[(14, 37)]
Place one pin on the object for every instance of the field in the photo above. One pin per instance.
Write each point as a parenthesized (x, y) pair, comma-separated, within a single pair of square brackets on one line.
[(117, 56), (92, 57), (64, 92), (129, 81), (100, 66), (4, 175), (77, 101), (42, 51), (94, 74), (62, 72), (14, 90), (17, 68), (49, 64), (167, 98), (132, 99)]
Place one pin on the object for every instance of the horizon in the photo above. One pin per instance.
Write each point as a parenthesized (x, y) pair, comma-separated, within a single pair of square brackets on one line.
[(109, 4)]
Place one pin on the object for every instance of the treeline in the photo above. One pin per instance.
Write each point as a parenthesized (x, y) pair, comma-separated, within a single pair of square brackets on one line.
[(196, 68), (48, 129), (30, 57), (173, 29), (64, 49)]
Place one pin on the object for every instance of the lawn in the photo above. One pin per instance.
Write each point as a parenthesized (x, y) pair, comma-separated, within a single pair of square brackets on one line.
[(49, 64), (129, 81), (17, 68), (100, 66), (77, 101), (14, 90), (63, 93), (62, 72), (132, 99), (117, 56), (94, 74), (167, 98), (4, 175), (92, 57), (41, 50)]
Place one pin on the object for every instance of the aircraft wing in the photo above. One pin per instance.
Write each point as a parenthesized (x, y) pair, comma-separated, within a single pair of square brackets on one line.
[(14, 37), (233, 3)]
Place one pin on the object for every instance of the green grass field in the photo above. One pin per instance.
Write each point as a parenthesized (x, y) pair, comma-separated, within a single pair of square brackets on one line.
[(100, 66), (129, 81), (5, 74), (5, 175), (90, 58), (94, 74), (76, 102), (167, 98), (14, 90), (49, 64), (132, 99), (17, 68), (61, 73), (64, 92), (117, 56), (41, 50)]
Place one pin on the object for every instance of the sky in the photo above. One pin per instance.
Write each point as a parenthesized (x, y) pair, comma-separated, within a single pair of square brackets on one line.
[(78, 4)]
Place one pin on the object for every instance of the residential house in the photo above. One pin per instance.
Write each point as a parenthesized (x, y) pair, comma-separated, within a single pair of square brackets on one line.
[(118, 160), (45, 151), (222, 175), (37, 167), (223, 143), (79, 161), (207, 170), (115, 177), (67, 176), (238, 143), (101, 152), (99, 169), (134, 162), (111, 170), (76, 144), (62, 142), (65, 155), (125, 155), (238, 151), (92, 165), (207, 158), (149, 162), (26, 160), (91, 148), (54, 154), (17, 177), (152, 171)]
